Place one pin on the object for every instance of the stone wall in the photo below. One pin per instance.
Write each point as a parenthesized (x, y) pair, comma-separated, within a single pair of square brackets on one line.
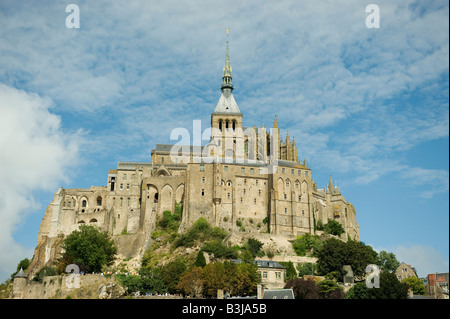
[(68, 286)]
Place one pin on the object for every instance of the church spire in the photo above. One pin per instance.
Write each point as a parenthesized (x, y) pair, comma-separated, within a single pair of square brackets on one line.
[(227, 85), (330, 185), (275, 124)]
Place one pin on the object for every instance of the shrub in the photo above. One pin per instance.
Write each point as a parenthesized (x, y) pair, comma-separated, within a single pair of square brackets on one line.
[(334, 228), (254, 246), (330, 290), (219, 250), (307, 245), (44, 272), (200, 230), (306, 269)]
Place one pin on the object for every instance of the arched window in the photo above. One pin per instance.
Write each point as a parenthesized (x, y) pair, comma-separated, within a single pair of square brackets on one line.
[(99, 201), (220, 125), (93, 220), (84, 203)]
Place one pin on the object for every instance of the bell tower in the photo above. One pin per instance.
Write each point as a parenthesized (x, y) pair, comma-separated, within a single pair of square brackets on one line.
[(226, 120)]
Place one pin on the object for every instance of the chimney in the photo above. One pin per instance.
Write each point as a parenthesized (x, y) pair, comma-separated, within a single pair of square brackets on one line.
[(259, 291)]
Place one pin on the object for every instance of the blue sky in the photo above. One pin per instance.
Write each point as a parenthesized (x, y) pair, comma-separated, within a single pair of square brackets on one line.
[(368, 106)]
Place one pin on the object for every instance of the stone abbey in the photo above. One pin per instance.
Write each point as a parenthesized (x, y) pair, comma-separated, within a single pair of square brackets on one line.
[(244, 180)]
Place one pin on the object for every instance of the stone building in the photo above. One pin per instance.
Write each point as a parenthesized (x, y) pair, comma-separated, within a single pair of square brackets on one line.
[(404, 271), (244, 179)]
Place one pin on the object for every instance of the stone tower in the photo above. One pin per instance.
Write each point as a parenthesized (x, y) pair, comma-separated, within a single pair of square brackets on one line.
[(226, 120)]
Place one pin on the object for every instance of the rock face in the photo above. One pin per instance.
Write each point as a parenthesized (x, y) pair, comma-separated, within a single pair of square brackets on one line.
[(110, 291)]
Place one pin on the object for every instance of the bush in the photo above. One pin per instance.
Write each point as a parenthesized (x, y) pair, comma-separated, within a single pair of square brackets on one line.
[(200, 230), (334, 228), (254, 246), (200, 261), (306, 269), (330, 290), (219, 250), (307, 245), (291, 273), (44, 272), (415, 284)]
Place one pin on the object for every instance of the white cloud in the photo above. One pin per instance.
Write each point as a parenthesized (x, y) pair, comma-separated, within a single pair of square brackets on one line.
[(35, 156)]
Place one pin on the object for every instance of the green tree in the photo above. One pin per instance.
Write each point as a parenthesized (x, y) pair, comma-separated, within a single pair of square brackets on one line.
[(329, 289), (151, 281), (291, 273), (171, 273), (90, 247), (307, 245), (254, 246), (132, 283), (387, 261), (335, 253), (200, 261), (415, 284), (191, 282), (333, 227), (390, 288), (306, 269), (248, 279), (213, 278), (219, 250)]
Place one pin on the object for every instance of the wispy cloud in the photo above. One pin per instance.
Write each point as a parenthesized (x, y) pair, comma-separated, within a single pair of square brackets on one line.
[(356, 99)]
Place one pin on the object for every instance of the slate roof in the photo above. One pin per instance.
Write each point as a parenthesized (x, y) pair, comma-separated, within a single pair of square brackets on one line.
[(227, 105), (278, 294), (269, 264), (20, 274)]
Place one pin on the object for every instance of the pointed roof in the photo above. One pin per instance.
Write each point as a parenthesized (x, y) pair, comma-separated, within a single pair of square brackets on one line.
[(227, 105), (275, 124), (330, 185), (20, 274)]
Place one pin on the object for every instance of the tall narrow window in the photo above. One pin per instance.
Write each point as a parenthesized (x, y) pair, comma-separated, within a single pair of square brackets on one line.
[(203, 192), (99, 201)]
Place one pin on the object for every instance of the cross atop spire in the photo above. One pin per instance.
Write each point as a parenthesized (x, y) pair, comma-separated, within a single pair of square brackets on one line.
[(227, 85)]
